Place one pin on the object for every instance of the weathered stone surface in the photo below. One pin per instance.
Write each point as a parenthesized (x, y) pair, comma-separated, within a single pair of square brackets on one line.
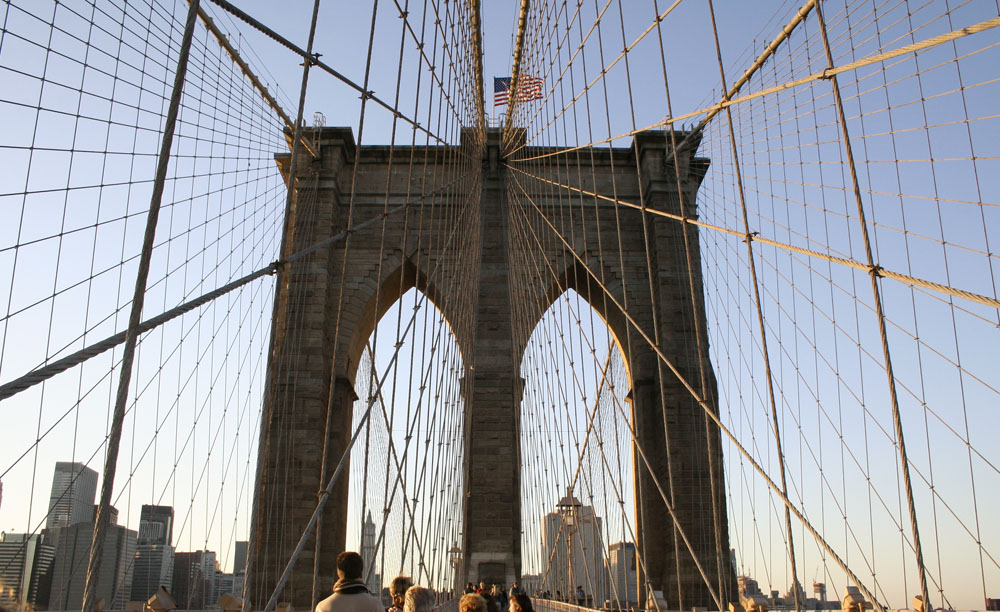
[(487, 282)]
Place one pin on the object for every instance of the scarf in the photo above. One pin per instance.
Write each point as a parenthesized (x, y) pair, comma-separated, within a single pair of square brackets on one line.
[(347, 586)]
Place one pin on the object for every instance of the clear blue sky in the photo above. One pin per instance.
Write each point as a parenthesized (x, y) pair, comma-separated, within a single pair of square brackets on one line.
[(825, 347)]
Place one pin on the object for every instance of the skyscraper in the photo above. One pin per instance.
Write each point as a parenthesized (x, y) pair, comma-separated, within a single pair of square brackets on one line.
[(156, 525), (25, 565), (70, 569), (153, 568), (240, 556), (194, 579), (154, 558), (74, 488), (623, 586)]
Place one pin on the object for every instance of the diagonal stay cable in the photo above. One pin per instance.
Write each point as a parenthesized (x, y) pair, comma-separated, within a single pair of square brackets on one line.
[(579, 464), (605, 69), (239, 61), (419, 45), (755, 237), (102, 514), (877, 299), (47, 371), (704, 405), (314, 59), (667, 500), (817, 76), (765, 352), (278, 588), (399, 482)]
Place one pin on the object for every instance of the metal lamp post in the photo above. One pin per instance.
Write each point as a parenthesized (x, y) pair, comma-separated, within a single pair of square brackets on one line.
[(455, 556), (568, 507)]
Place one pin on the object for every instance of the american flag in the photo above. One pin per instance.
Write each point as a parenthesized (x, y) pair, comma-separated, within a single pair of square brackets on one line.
[(528, 88)]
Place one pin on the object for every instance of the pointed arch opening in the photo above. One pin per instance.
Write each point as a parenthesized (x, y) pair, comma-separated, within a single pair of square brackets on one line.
[(406, 465), (396, 289), (577, 464)]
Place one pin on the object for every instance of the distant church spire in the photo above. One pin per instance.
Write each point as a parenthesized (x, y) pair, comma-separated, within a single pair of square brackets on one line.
[(368, 553)]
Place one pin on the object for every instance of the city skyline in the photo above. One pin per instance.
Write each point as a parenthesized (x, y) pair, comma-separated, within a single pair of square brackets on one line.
[(48, 568), (73, 496)]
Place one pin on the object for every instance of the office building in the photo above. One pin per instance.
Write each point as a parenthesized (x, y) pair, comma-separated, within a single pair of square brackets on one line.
[(74, 488), (25, 571), (623, 575), (194, 579), (369, 554), (228, 583), (154, 559), (241, 551), (153, 567), (156, 525), (69, 573), (112, 514)]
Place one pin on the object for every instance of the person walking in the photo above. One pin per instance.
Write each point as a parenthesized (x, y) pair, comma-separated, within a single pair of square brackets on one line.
[(521, 603), (350, 593), (472, 602), (418, 599), (397, 590)]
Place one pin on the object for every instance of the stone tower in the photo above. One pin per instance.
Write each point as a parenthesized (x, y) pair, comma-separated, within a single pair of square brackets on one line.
[(332, 315)]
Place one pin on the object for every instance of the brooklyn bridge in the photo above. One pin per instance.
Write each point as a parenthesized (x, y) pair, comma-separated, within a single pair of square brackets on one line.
[(636, 305)]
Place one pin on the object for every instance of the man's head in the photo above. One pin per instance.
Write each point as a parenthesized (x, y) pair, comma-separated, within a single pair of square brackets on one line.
[(350, 565), (472, 603), (418, 599), (398, 587)]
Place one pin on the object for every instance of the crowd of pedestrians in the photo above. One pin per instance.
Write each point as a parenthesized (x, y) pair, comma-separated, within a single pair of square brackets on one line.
[(494, 599), (350, 594)]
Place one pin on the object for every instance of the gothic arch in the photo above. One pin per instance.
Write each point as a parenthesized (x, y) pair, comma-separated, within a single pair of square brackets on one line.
[(576, 277), (399, 279)]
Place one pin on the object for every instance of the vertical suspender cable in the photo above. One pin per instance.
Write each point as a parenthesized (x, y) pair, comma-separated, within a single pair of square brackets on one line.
[(515, 74), (292, 172), (131, 336), (760, 318), (671, 142), (279, 280), (477, 47), (873, 274)]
